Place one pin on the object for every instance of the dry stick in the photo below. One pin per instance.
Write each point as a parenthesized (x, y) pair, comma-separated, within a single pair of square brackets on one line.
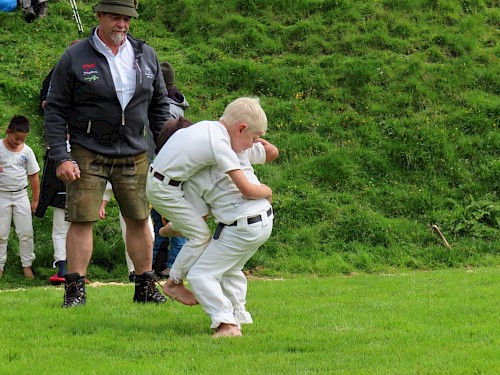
[(436, 228)]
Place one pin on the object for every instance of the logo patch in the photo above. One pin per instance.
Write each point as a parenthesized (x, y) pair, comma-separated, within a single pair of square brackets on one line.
[(148, 72), (89, 72)]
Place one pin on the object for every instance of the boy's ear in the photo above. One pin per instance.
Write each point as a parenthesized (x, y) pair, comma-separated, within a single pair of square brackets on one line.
[(242, 127)]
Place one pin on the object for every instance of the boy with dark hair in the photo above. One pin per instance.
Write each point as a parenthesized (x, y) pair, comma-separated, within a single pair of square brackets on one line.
[(18, 165)]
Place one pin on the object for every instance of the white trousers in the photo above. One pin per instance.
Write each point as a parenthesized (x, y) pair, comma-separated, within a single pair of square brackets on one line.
[(170, 203), (123, 226), (16, 206), (217, 279), (60, 229)]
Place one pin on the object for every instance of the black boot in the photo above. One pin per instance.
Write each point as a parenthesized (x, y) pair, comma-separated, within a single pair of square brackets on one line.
[(43, 9), (29, 14), (145, 289), (74, 291)]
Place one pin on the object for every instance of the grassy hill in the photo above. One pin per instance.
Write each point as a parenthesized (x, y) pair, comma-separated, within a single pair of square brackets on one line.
[(386, 114)]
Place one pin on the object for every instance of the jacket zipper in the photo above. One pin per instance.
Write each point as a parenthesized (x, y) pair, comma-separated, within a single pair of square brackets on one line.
[(139, 72)]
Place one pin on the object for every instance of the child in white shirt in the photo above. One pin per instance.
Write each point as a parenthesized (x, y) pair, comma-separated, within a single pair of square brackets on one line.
[(244, 225), (185, 153), (18, 166)]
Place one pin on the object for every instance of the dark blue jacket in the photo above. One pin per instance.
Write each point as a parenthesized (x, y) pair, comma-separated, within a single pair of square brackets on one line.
[(82, 96)]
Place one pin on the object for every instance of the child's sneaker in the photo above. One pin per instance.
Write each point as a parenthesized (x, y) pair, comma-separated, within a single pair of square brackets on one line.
[(56, 279)]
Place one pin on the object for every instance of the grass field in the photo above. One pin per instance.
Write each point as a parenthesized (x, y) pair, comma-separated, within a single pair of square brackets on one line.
[(439, 322), (385, 112)]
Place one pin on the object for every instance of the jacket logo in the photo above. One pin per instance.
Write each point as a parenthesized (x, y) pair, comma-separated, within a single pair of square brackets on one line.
[(89, 72), (148, 72)]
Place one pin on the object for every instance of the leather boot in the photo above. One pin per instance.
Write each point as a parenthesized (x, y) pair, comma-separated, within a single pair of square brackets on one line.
[(74, 291), (145, 289)]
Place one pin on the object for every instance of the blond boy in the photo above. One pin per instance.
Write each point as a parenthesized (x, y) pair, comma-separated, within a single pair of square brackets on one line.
[(185, 153)]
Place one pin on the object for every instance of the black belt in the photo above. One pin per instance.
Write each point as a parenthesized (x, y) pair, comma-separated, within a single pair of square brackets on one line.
[(15, 191), (161, 177), (250, 220)]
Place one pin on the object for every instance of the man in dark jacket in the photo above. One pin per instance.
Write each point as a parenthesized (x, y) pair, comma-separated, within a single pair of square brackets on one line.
[(104, 91)]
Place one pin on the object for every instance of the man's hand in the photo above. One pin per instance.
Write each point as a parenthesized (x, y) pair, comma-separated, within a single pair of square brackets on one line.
[(68, 171)]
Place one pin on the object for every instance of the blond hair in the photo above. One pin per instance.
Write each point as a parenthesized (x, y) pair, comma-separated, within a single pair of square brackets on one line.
[(248, 111)]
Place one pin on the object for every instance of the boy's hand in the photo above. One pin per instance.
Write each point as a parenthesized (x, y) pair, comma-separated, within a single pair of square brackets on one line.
[(263, 141), (102, 212), (268, 192), (34, 205)]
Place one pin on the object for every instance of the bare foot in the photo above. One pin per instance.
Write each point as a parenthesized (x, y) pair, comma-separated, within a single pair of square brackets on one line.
[(28, 273), (179, 293), (167, 231), (227, 330)]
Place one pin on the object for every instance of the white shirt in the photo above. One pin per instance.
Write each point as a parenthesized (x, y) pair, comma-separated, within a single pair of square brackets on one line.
[(16, 166), (190, 149), (122, 66), (210, 188)]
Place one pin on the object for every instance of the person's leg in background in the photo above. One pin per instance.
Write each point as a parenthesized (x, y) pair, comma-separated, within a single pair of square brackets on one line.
[(24, 230), (28, 10), (176, 244), (160, 246), (5, 223), (42, 8), (60, 229)]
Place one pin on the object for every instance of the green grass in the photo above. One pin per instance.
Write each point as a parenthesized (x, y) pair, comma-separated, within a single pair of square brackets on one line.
[(439, 322), (386, 114)]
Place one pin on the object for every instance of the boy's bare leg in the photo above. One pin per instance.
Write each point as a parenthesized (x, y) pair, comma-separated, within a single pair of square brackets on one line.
[(227, 330), (179, 292), (167, 231)]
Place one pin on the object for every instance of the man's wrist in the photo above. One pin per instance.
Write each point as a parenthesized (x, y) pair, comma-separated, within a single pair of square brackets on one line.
[(63, 161)]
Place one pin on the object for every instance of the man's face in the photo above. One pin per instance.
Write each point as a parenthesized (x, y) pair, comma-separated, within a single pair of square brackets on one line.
[(113, 28)]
